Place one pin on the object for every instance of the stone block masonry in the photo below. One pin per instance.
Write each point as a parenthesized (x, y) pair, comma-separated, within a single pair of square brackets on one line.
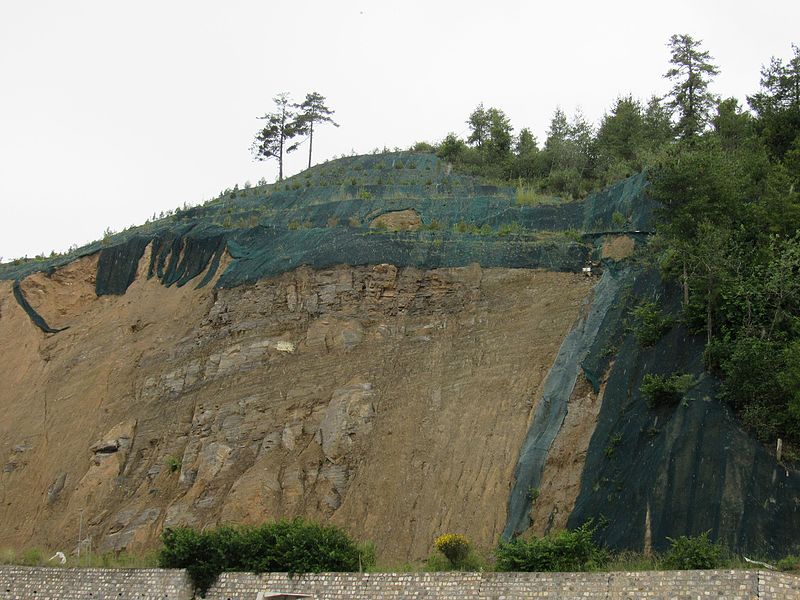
[(666, 585), (45, 583), (39, 583)]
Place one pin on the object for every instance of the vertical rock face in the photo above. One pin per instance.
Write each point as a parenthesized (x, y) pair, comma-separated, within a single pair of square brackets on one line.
[(390, 401)]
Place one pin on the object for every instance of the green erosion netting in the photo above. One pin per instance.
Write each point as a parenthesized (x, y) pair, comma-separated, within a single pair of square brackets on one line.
[(321, 217), (116, 265), (552, 408), (690, 465), (37, 319)]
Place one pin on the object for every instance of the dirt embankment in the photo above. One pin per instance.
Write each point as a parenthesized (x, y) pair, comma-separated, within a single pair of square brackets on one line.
[(390, 401)]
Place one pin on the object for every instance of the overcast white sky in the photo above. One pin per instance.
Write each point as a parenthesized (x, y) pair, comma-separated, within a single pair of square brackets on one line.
[(111, 111)]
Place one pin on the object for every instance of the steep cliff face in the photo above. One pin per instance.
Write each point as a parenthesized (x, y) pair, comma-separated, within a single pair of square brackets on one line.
[(379, 349), (389, 401)]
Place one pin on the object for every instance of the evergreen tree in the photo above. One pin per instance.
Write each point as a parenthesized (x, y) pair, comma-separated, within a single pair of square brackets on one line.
[(559, 129), (778, 103), (557, 139), (273, 140), (732, 125), (526, 143), (581, 136), (526, 153), (691, 73), (619, 137), (656, 124), (780, 84), (313, 110)]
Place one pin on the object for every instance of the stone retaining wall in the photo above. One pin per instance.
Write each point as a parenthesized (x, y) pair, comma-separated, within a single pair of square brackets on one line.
[(27, 583), (46, 583)]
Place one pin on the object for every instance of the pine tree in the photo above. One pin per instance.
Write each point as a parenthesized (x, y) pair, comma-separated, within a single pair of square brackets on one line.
[(692, 72), (777, 104), (313, 110), (273, 140)]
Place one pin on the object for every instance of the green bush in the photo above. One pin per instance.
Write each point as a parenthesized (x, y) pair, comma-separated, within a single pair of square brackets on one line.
[(32, 557), (789, 563), (618, 219), (662, 390), (464, 227), (173, 463), (509, 228), (563, 551), (693, 552), (294, 546), (528, 195), (649, 323), (454, 546)]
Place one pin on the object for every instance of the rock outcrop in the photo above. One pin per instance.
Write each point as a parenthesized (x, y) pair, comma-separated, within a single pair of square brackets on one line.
[(391, 401)]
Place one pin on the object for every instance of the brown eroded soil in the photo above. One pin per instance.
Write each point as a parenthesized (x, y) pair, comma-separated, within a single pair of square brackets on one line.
[(390, 401), (561, 479)]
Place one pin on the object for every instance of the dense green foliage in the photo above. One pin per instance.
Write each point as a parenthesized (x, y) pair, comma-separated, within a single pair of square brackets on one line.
[(563, 551), (660, 390), (693, 552), (731, 198), (294, 546), (649, 324)]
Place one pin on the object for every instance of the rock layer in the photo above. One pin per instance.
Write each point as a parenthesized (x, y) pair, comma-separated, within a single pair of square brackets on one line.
[(390, 401)]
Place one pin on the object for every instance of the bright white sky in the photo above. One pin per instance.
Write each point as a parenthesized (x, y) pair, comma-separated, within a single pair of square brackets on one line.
[(111, 111)]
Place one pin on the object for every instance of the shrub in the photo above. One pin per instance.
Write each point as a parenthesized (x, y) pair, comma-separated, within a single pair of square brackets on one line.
[(173, 463), (789, 563), (693, 552), (618, 219), (364, 194), (574, 235), (565, 181), (464, 227), (509, 228), (295, 546), (8, 556), (528, 195), (563, 551), (434, 225), (660, 390), (454, 546), (32, 557), (649, 323)]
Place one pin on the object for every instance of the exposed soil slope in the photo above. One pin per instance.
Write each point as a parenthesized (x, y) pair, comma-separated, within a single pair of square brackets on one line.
[(390, 401)]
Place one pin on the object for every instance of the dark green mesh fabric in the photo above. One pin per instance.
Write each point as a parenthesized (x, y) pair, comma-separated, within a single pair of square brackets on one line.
[(321, 218), (34, 316), (691, 466)]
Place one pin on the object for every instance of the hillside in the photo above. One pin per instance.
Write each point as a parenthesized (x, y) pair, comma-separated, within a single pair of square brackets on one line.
[(380, 343)]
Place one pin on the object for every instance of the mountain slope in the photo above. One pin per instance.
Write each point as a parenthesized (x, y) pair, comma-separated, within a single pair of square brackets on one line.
[(379, 343)]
